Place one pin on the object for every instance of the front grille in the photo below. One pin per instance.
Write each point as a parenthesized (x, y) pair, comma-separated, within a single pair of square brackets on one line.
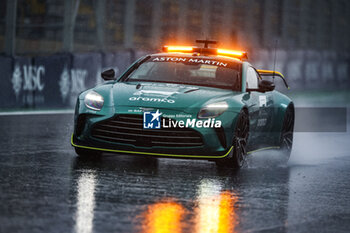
[(129, 129)]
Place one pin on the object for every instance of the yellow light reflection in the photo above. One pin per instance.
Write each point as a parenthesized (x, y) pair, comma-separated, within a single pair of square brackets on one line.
[(85, 202), (163, 217), (215, 212), (227, 215)]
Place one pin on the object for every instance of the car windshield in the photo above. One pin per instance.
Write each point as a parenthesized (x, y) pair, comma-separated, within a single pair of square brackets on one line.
[(187, 70)]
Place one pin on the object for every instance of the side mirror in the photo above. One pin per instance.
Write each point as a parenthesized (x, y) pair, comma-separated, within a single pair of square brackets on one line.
[(108, 75), (265, 85)]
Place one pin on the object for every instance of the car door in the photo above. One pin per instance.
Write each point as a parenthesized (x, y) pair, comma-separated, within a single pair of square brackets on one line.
[(260, 110)]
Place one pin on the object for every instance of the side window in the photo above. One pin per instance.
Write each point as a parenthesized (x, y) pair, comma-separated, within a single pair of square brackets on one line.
[(252, 78)]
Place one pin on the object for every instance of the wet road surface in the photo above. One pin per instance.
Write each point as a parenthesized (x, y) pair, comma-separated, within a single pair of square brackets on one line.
[(44, 187)]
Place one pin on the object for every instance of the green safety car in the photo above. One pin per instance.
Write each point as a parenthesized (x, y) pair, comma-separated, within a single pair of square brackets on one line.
[(186, 102)]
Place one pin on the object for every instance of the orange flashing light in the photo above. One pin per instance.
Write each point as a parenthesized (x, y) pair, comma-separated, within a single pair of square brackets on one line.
[(230, 52), (178, 48), (223, 52)]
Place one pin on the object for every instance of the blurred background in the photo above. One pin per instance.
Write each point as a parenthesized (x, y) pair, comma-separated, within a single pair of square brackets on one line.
[(69, 42)]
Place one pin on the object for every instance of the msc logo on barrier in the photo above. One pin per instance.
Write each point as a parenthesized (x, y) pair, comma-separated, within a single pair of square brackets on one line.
[(28, 80), (151, 120), (71, 83)]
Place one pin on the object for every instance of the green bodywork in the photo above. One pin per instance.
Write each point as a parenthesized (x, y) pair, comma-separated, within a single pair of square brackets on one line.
[(188, 100)]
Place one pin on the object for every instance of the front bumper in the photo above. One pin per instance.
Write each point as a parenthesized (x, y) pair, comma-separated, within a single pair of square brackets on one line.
[(212, 147), (157, 153)]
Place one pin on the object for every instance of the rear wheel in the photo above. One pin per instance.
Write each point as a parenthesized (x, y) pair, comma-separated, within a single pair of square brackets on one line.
[(286, 141), (238, 154), (86, 153)]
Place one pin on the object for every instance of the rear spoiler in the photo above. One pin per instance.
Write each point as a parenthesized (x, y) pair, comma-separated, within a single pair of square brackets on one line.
[(273, 74)]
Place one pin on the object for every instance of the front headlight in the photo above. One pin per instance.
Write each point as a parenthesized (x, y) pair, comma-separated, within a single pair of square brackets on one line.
[(94, 101), (213, 110)]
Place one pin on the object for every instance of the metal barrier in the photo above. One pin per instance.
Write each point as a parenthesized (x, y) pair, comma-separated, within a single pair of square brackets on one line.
[(55, 81)]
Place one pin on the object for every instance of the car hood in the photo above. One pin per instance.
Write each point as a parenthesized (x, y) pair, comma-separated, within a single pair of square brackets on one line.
[(164, 95)]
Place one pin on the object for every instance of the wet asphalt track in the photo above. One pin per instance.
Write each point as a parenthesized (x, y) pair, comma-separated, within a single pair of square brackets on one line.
[(44, 187)]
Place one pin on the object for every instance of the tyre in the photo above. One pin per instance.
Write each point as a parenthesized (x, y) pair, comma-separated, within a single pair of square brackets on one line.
[(286, 140), (86, 153), (238, 154)]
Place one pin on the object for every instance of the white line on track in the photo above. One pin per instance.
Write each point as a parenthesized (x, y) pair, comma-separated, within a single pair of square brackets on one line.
[(39, 112)]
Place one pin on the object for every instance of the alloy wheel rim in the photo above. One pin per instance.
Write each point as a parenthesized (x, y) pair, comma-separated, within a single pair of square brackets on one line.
[(241, 137)]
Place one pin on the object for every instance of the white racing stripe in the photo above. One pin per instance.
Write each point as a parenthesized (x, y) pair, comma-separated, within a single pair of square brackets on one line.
[(39, 112)]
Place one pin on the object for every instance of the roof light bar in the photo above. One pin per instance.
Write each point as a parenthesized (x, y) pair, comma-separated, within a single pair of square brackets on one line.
[(207, 51), (178, 49), (232, 53)]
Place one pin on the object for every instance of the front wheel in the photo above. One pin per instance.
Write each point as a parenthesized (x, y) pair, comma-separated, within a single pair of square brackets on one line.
[(238, 154)]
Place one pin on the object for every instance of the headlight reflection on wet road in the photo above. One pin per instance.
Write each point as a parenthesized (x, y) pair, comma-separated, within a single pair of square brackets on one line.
[(85, 202), (215, 211)]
